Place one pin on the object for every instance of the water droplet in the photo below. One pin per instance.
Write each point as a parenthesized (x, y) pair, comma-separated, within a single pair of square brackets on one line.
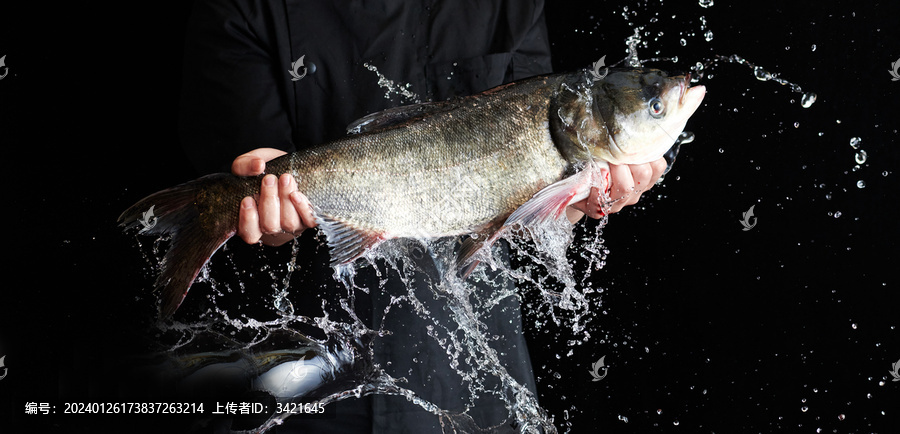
[(708, 35), (761, 74), (796, 124), (683, 42), (706, 3), (813, 47), (807, 100), (658, 411), (685, 137), (853, 325), (675, 423), (861, 183), (854, 142), (885, 173), (804, 408), (837, 214), (861, 157), (841, 416)]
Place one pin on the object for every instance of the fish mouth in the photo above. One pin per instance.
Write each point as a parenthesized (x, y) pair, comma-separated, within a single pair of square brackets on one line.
[(683, 85), (690, 97), (686, 93)]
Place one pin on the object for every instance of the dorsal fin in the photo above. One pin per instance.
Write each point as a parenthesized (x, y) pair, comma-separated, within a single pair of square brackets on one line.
[(397, 116)]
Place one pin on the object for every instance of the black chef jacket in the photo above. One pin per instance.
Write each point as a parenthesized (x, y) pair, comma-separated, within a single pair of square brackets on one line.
[(238, 94)]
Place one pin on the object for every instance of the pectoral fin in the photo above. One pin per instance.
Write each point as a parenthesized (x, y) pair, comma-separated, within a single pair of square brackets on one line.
[(549, 203), (345, 241)]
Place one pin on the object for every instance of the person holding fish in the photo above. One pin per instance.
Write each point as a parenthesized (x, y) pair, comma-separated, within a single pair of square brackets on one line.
[(281, 212), (270, 88)]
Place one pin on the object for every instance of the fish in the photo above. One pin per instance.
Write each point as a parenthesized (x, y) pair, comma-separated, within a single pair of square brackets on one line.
[(514, 155)]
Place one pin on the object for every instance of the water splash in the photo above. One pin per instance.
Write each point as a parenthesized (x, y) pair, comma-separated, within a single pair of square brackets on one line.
[(631, 58), (701, 69), (808, 99), (281, 356), (632, 42), (392, 88)]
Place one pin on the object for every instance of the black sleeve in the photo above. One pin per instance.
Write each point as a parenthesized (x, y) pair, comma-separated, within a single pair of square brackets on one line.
[(234, 95), (532, 56)]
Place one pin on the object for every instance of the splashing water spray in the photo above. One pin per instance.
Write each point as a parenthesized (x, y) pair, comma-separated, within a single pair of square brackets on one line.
[(700, 69), (277, 355)]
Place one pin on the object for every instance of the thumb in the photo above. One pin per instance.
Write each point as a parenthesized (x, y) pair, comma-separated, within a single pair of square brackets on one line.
[(254, 162)]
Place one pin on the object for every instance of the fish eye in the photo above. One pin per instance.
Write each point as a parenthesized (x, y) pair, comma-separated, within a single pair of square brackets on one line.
[(656, 107)]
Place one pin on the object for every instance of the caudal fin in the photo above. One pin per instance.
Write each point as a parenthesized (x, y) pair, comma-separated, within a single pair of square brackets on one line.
[(199, 216)]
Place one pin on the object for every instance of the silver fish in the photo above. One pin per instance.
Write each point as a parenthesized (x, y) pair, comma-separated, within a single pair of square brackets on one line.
[(513, 155)]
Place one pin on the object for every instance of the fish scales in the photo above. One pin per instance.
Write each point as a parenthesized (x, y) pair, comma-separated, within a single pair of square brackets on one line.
[(444, 175)]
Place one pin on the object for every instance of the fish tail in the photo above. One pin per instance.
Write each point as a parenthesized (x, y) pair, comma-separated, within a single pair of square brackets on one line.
[(199, 216)]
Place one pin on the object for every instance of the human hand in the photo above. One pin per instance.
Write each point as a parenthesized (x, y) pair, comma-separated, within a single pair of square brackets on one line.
[(626, 182), (280, 212)]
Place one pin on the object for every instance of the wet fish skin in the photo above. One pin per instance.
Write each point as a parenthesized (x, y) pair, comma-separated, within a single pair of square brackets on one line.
[(440, 169)]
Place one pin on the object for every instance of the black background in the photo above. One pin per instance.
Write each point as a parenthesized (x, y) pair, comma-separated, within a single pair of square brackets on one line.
[(705, 327)]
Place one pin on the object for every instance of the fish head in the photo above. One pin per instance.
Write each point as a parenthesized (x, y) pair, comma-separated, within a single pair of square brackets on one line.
[(643, 111)]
